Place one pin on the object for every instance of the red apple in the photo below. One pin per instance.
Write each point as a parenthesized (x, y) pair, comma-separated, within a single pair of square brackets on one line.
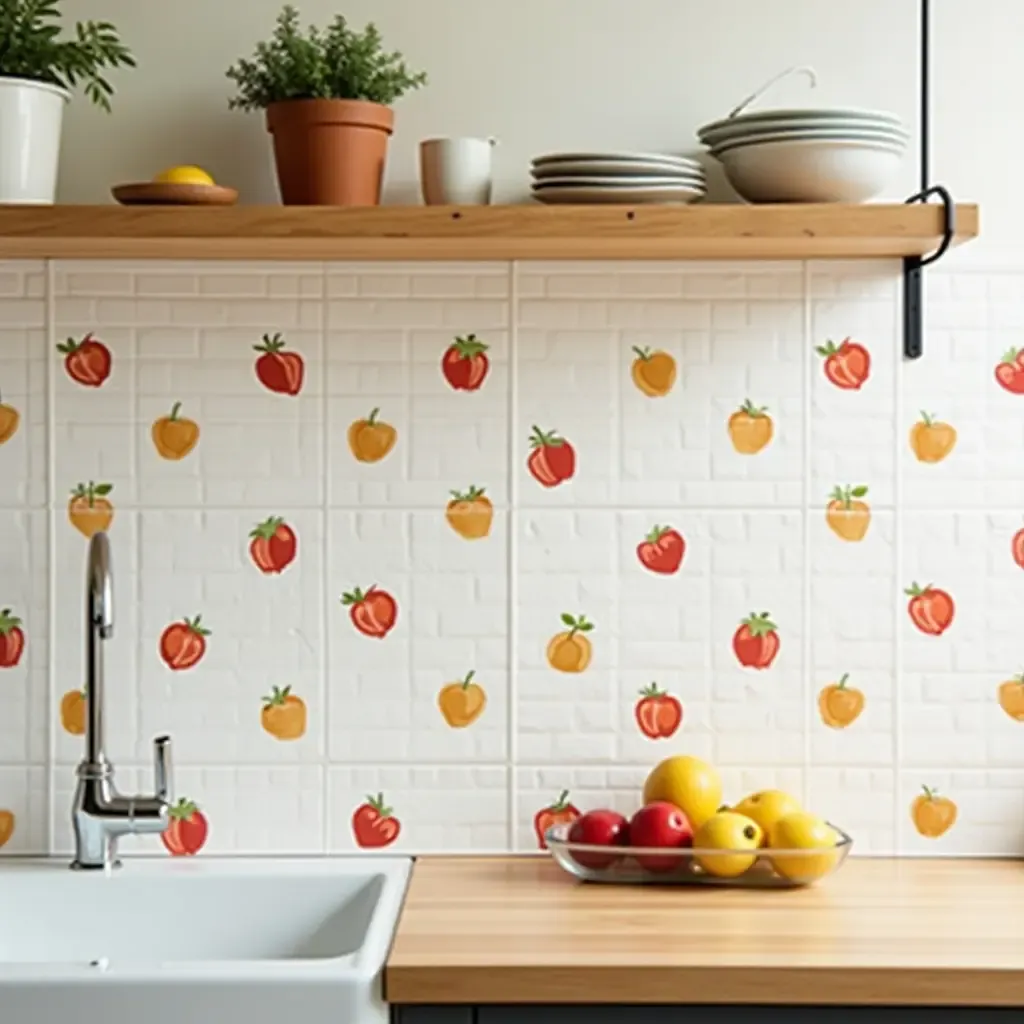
[(660, 824), (599, 828)]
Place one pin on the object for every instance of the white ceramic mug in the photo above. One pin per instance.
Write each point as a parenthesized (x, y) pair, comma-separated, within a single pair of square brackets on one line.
[(456, 172)]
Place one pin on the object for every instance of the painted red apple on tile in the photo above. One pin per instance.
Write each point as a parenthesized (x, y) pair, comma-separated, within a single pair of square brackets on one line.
[(278, 370), (87, 362), (552, 459), (183, 644), (374, 825), (273, 545), (465, 363), (1017, 548), (662, 550), (756, 642), (931, 609), (12, 639), (187, 831), (1010, 372), (847, 365), (373, 613)]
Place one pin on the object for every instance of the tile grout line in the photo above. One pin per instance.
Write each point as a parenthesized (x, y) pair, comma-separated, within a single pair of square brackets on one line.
[(897, 617), (805, 525), (325, 563), (137, 515), (51, 547), (512, 554)]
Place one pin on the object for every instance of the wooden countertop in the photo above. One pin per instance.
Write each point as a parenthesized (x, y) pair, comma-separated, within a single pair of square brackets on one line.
[(896, 932)]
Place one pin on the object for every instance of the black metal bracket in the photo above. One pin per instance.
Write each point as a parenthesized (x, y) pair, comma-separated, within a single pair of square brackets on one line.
[(913, 285)]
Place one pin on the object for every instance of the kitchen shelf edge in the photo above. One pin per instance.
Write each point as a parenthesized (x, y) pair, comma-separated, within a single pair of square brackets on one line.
[(702, 232)]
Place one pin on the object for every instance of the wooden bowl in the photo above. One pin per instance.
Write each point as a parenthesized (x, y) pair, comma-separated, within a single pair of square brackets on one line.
[(158, 193)]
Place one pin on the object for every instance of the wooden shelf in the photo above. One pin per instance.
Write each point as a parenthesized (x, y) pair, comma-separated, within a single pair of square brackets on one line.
[(477, 233)]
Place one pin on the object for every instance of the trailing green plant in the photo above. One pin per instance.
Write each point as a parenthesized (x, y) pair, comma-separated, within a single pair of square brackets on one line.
[(335, 63), (31, 47)]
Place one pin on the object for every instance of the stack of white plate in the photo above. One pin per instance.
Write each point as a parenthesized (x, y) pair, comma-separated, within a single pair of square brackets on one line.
[(616, 178), (840, 155)]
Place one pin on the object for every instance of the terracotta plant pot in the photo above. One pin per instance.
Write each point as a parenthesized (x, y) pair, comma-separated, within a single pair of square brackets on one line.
[(330, 152)]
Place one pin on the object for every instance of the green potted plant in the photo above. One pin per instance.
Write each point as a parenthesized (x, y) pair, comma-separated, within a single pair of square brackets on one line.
[(38, 68), (327, 94)]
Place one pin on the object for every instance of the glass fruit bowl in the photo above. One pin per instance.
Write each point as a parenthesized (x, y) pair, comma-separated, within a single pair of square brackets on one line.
[(761, 868)]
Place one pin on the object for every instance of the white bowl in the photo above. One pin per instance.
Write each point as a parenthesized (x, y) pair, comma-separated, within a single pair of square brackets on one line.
[(803, 114), (811, 170), (783, 125), (880, 139)]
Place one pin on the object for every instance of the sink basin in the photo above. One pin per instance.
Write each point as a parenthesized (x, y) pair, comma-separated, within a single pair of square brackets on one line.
[(204, 941)]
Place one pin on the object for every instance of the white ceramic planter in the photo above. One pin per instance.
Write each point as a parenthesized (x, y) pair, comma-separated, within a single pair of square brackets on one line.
[(31, 114)]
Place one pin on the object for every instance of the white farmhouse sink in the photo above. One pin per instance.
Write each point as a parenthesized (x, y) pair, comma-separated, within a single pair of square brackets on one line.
[(200, 941)]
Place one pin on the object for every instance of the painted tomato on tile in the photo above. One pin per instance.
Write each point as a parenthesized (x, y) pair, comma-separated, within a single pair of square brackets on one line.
[(1011, 697), (276, 369), (658, 713), (1010, 372), (272, 545), (174, 436), (470, 513), (374, 824), (187, 831), (462, 703), (847, 365), (756, 642), (931, 440), (90, 511), (561, 812), (933, 815), (9, 420), (750, 428), (7, 823), (465, 363), (571, 650), (12, 639), (552, 459), (931, 609), (662, 550), (72, 712), (847, 516), (86, 362), (653, 373), (373, 613), (183, 644), (283, 714), (1017, 548), (371, 439), (839, 704)]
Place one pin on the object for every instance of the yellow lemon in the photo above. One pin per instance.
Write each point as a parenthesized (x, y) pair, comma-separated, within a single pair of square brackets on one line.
[(732, 832), (766, 807), (803, 831), (186, 174), (689, 783)]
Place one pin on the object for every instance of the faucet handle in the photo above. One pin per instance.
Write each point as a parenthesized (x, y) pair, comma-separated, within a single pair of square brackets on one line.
[(163, 770)]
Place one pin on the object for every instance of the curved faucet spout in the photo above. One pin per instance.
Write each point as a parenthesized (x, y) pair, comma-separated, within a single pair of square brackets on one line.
[(100, 595)]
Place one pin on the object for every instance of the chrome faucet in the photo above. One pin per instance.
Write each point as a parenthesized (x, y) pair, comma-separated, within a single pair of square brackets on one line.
[(100, 815)]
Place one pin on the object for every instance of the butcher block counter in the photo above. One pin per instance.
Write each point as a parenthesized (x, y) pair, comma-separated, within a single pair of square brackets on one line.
[(515, 931)]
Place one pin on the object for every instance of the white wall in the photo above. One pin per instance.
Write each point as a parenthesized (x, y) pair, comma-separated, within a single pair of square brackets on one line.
[(538, 74)]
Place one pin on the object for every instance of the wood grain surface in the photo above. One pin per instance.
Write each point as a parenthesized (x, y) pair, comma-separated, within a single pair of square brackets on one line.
[(480, 232), (879, 932)]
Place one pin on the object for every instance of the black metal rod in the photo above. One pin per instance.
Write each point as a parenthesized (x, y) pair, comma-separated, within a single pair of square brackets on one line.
[(925, 94)]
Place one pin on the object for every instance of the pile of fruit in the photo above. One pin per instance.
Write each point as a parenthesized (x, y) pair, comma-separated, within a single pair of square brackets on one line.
[(683, 829)]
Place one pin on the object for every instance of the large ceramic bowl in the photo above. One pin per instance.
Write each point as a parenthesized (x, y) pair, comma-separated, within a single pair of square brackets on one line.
[(843, 114), (784, 126), (811, 170), (880, 139)]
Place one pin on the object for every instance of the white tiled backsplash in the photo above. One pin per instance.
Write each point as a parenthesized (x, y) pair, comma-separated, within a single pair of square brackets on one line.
[(922, 707)]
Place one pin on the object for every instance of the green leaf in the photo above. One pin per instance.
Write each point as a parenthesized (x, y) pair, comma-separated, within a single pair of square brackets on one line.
[(568, 619), (335, 62), (32, 47), (859, 492)]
